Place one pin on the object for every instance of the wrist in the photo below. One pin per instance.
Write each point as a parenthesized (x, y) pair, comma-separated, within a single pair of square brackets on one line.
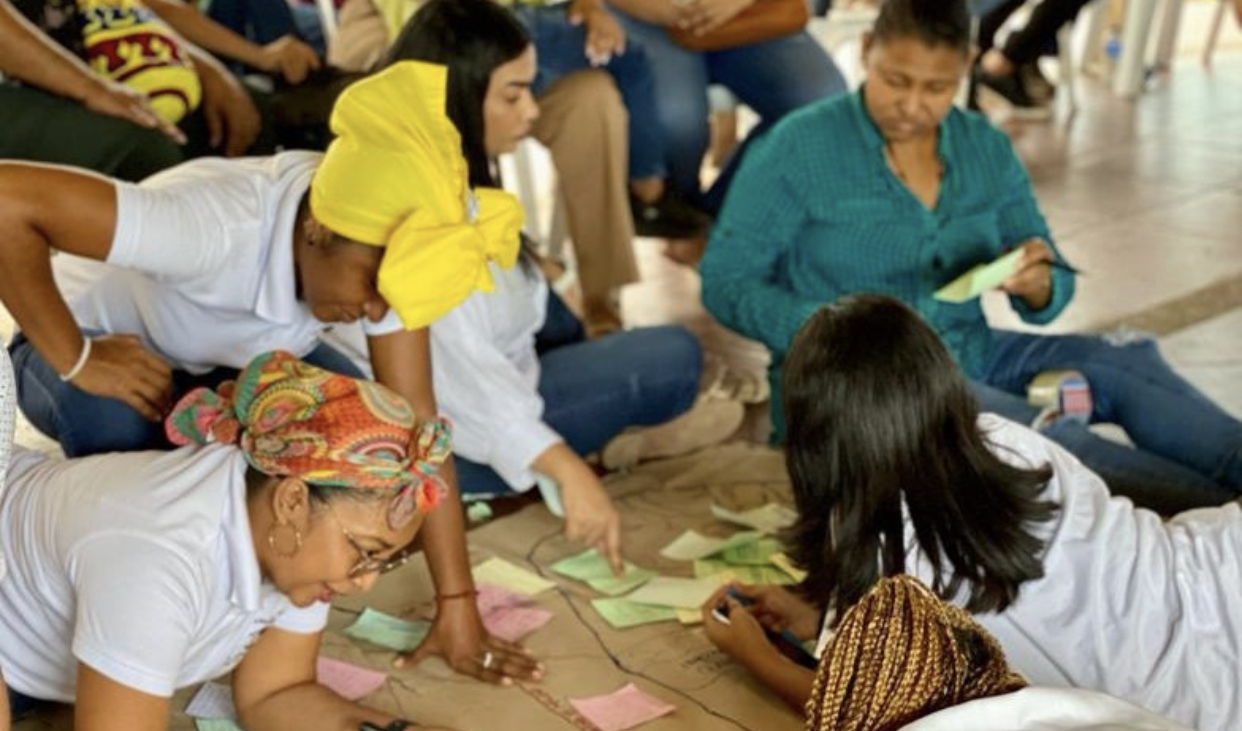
[(469, 594)]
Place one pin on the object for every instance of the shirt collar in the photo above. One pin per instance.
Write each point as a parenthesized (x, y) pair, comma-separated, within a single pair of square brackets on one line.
[(277, 299)]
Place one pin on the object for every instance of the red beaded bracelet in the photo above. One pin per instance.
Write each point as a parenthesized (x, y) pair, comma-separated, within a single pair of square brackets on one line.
[(468, 593)]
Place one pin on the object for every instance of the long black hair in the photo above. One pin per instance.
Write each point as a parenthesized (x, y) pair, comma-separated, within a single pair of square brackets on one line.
[(879, 418), (472, 38), (934, 22)]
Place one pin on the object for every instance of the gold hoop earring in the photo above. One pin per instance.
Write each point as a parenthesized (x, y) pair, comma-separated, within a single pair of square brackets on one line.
[(273, 542)]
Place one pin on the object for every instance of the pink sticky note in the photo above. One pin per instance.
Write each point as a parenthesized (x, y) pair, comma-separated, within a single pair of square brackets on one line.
[(493, 597), (625, 708), (514, 623), (348, 680)]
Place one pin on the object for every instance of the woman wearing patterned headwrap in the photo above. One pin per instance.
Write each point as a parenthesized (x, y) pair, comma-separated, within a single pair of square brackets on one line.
[(134, 574), (215, 261)]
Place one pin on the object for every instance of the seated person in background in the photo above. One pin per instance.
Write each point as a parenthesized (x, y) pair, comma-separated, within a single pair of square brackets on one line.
[(528, 395), (597, 141), (64, 112), (771, 77), (131, 575), (286, 57), (1013, 71), (893, 190), (217, 260), (894, 470)]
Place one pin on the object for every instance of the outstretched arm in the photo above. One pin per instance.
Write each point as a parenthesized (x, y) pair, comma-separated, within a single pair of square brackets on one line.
[(27, 54), (44, 208), (402, 362)]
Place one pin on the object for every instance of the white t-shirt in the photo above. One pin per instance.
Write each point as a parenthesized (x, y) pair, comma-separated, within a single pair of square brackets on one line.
[(1045, 709), (486, 373), (140, 565), (1129, 605), (201, 265), (8, 397)]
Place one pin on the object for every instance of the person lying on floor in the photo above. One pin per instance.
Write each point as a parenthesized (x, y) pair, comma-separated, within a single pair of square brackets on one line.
[(895, 470), (215, 261), (133, 574), (528, 394), (892, 189)]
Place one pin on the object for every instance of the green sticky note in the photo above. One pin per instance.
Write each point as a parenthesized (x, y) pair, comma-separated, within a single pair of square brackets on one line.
[(980, 278), (592, 569), (767, 574), (216, 724), (499, 572), (388, 631), (755, 553), (622, 613), (691, 545)]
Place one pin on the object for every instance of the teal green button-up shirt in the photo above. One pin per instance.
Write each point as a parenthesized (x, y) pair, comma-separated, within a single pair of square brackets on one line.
[(815, 213)]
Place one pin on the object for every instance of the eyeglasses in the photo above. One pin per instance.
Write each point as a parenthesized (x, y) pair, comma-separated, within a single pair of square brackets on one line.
[(367, 562)]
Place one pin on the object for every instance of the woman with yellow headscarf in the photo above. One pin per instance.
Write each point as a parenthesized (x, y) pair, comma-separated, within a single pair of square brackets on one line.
[(528, 394), (132, 575), (215, 261)]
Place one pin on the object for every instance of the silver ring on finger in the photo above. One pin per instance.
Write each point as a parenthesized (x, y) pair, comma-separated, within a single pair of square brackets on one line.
[(488, 657)]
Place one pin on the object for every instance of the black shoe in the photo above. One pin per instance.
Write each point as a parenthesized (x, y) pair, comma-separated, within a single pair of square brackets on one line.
[(1010, 89), (668, 217)]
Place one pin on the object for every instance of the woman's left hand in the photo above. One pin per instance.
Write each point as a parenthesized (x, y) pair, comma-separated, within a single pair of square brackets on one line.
[(742, 637), (1032, 279), (458, 635), (605, 37), (703, 16)]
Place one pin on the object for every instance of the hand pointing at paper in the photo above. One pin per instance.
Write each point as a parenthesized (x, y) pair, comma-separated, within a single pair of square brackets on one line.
[(1032, 277)]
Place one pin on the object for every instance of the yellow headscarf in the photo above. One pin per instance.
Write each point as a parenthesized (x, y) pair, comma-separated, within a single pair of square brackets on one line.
[(395, 177)]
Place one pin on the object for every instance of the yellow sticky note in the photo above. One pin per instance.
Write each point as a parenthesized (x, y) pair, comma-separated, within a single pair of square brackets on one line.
[(980, 278), (499, 572)]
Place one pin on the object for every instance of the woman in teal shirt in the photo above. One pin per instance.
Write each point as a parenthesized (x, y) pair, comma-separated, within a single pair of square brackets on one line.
[(894, 190)]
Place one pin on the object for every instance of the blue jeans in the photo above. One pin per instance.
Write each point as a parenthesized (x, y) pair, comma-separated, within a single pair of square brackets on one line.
[(561, 48), (772, 78), (87, 424), (21, 704), (1188, 451), (594, 389)]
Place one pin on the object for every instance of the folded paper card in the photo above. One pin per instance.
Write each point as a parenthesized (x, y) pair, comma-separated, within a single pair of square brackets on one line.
[(500, 572), (350, 681), (980, 278), (623, 709), (692, 545), (767, 518), (671, 591), (622, 613), (213, 700), (592, 569), (388, 631)]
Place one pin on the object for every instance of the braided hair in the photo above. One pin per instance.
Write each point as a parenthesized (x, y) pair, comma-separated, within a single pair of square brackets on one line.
[(902, 653)]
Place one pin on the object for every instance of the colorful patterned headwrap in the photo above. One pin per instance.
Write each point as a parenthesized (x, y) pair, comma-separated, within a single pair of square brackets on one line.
[(291, 419), (395, 177)]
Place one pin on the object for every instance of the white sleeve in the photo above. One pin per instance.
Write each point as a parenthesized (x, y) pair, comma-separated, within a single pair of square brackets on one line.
[(497, 414), (174, 231), (304, 620), (137, 606)]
